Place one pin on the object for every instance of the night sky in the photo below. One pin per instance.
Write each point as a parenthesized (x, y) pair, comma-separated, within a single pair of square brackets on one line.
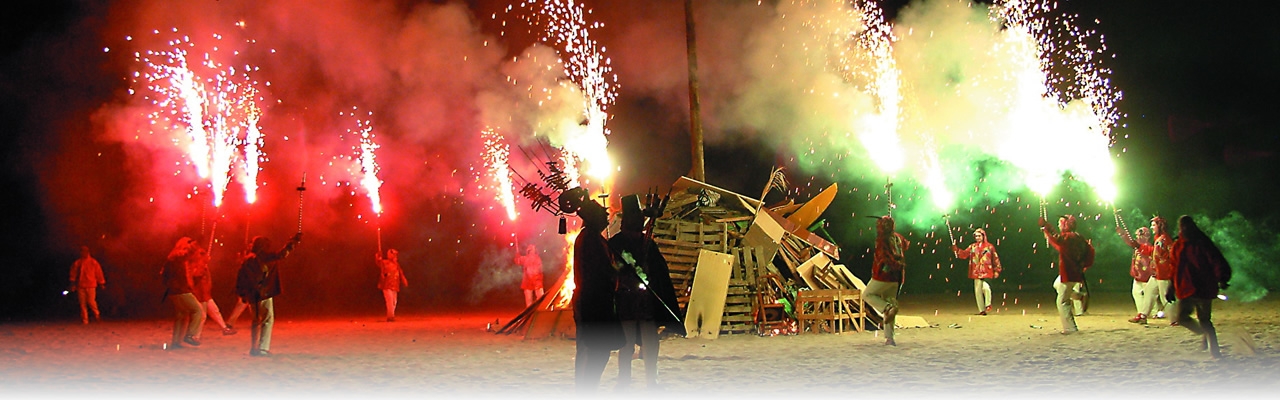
[(1198, 136)]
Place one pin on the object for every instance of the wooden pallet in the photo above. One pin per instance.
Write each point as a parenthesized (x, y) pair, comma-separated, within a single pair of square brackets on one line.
[(679, 242), (738, 311)]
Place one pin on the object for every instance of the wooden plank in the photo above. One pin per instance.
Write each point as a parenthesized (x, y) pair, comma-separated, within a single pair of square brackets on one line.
[(710, 287)]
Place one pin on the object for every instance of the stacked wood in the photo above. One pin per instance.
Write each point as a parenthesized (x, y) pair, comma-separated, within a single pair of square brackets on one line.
[(679, 241), (738, 317)]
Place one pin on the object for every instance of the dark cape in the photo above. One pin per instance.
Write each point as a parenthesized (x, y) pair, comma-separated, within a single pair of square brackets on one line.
[(656, 301), (595, 282)]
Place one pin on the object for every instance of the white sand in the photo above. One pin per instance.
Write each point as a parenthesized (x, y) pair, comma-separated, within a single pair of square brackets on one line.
[(1004, 355)]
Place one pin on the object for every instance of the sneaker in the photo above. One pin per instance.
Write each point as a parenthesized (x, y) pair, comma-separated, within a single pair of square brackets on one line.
[(228, 331), (1159, 314), (1174, 323), (259, 353), (191, 340), (1140, 319)]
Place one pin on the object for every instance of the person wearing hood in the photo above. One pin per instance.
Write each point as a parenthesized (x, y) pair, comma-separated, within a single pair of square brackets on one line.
[(1074, 256), (887, 274), (984, 264), (1200, 272)]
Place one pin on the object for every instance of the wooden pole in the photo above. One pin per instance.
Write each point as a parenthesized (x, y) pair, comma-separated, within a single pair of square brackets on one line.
[(697, 170)]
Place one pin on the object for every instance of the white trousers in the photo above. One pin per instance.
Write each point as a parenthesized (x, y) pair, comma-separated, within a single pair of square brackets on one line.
[(982, 293)]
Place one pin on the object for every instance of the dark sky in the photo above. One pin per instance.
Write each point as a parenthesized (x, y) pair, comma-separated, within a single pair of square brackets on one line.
[(1199, 137)]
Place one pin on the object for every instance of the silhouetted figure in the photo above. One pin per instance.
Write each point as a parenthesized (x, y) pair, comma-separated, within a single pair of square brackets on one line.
[(1200, 271), (646, 298), (595, 279)]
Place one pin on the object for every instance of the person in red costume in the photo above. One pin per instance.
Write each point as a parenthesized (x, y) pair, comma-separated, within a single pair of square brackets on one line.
[(1074, 256), (1141, 269), (1200, 270), (984, 264), (531, 266), (886, 274), (390, 279), (1162, 261), (86, 277)]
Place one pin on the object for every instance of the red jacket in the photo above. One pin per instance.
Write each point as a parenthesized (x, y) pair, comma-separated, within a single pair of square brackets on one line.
[(1200, 268), (1072, 251), (984, 263), (1162, 257), (889, 259)]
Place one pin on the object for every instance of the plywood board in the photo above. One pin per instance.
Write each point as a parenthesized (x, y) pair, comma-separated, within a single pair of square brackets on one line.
[(707, 297), (765, 233), (857, 283), (812, 209)]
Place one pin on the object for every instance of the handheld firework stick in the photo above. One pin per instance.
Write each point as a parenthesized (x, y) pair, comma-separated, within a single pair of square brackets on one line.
[(213, 230), (951, 236), (248, 217), (301, 189), (379, 233), (888, 192)]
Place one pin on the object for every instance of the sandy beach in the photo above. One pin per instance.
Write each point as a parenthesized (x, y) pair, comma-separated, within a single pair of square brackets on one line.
[(1013, 352)]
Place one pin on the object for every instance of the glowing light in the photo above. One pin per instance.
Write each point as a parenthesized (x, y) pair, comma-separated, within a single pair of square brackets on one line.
[(366, 168), (208, 109), (1065, 113), (566, 289), (566, 30), (496, 155)]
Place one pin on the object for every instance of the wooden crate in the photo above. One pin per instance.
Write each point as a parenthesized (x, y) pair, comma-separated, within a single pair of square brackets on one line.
[(830, 310)]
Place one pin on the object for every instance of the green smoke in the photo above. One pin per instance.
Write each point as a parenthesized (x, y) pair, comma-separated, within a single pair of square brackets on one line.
[(1253, 251)]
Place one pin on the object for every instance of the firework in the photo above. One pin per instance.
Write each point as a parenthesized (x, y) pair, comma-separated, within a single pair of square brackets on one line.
[(365, 169), (1066, 96), (565, 28), (497, 153), (205, 106)]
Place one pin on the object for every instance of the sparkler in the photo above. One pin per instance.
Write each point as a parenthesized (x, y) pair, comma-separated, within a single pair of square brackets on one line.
[(950, 235), (497, 154), (207, 106)]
